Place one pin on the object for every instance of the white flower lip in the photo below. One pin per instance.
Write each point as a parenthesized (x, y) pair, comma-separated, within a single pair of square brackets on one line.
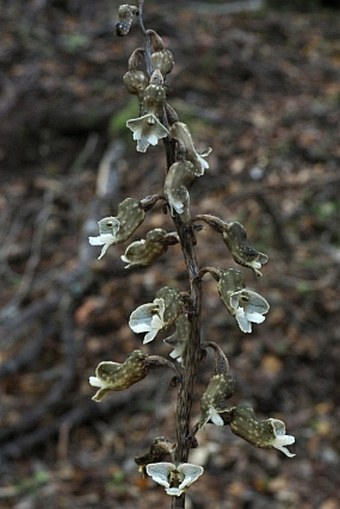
[(281, 439), (148, 318), (96, 382), (105, 240), (168, 475), (147, 130)]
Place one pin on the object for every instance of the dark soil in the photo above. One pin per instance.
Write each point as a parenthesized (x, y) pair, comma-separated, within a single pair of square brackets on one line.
[(262, 89)]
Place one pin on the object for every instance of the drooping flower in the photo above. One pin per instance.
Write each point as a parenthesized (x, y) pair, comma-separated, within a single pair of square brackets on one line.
[(220, 387), (114, 376), (175, 479), (115, 230), (157, 315), (180, 131), (179, 339), (235, 237), (269, 433), (180, 174)]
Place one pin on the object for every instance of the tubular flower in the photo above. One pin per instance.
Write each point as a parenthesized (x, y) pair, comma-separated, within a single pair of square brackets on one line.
[(245, 305), (113, 376), (269, 433), (180, 175), (180, 131), (116, 230), (175, 479), (157, 315)]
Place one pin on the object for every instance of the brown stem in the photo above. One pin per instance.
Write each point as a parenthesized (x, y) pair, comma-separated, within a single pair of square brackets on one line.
[(186, 234), (193, 351)]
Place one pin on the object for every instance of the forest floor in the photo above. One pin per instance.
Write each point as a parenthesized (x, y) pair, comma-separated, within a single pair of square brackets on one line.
[(262, 88)]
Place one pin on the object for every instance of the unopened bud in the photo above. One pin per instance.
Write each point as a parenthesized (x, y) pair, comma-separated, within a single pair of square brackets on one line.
[(126, 16), (135, 82), (163, 60)]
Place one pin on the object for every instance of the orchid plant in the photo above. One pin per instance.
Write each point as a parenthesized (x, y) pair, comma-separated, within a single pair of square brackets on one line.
[(166, 462)]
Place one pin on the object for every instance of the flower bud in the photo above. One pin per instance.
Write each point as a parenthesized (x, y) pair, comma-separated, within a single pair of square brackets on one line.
[(154, 95), (126, 15), (265, 433), (159, 449), (113, 376), (135, 82), (163, 60)]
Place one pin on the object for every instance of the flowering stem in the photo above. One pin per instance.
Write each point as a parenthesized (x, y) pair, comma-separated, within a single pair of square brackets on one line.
[(186, 234), (193, 350)]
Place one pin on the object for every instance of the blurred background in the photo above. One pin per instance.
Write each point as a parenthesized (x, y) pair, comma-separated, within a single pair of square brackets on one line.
[(258, 83)]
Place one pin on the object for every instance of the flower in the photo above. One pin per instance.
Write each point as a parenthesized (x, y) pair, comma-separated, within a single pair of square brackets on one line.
[(220, 387), (108, 228), (148, 318), (146, 251), (157, 315), (180, 174), (178, 340), (175, 479), (114, 376), (235, 237), (180, 131), (269, 433), (115, 230), (247, 307), (147, 130)]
